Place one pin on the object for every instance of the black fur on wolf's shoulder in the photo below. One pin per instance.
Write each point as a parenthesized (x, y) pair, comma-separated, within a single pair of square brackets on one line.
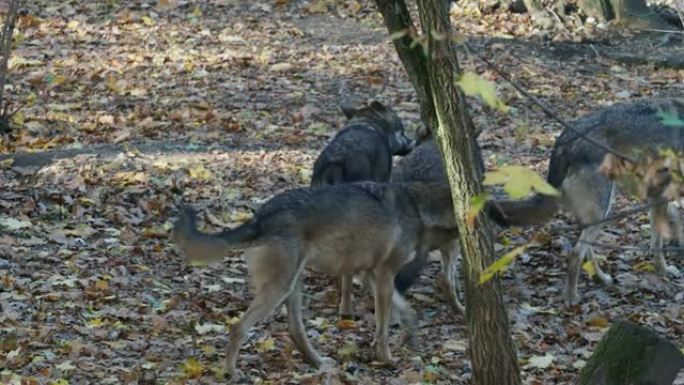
[(363, 149)]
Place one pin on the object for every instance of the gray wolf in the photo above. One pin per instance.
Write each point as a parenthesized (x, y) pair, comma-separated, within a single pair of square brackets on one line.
[(368, 227), (361, 151), (424, 164), (587, 193)]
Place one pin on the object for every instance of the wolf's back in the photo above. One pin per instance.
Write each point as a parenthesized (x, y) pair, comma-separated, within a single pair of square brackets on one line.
[(624, 127)]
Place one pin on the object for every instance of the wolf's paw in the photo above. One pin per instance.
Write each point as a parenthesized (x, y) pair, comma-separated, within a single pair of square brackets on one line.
[(235, 377), (672, 271), (327, 364), (605, 278)]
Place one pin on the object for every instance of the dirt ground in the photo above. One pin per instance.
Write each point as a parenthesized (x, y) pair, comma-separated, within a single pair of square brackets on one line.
[(131, 108)]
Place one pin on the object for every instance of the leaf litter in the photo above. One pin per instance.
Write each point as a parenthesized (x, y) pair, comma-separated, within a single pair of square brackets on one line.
[(92, 292)]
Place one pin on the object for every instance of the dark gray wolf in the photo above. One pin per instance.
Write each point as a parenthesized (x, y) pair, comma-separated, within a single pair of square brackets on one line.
[(341, 229), (361, 151), (424, 164), (586, 192)]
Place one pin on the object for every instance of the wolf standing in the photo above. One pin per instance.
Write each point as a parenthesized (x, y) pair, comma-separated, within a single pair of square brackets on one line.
[(585, 191), (342, 230), (361, 151)]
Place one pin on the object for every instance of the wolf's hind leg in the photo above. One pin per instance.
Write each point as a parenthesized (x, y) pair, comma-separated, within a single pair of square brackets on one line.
[(660, 214), (451, 274), (296, 327), (274, 272), (588, 195)]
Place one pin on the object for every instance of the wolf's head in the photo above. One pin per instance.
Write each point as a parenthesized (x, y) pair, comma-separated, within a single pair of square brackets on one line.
[(387, 120)]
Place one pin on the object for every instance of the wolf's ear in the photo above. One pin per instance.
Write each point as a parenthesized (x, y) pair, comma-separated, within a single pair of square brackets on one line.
[(347, 109), (378, 107)]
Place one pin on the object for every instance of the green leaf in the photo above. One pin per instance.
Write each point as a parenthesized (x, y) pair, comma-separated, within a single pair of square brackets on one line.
[(501, 264), (670, 117), (519, 181), (474, 85), (476, 206), (398, 35)]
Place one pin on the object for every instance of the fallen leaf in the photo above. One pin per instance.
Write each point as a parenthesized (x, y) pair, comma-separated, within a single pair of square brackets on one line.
[(540, 362), (14, 224), (192, 368), (265, 345)]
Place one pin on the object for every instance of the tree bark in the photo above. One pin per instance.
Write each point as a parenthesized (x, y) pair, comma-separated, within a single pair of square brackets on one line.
[(631, 354), (491, 347), (398, 19)]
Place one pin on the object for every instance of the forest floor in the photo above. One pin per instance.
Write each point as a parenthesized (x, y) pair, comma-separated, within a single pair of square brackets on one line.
[(130, 108)]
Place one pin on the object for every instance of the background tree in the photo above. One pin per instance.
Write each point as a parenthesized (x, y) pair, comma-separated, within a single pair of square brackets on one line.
[(5, 51), (491, 347)]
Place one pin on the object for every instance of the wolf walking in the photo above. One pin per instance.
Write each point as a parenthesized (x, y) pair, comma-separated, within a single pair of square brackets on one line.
[(341, 229), (361, 151), (587, 193)]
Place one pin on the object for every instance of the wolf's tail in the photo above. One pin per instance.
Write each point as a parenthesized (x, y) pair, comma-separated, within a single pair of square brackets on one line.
[(538, 209), (203, 247)]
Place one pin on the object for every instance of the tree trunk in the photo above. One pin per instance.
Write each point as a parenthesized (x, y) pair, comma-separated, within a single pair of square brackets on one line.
[(398, 19), (491, 347), (631, 354)]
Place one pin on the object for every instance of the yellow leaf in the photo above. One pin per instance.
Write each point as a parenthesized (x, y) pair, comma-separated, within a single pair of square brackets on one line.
[(96, 322), (208, 350), (61, 381), (147, 21), (319, 7), (199, 172), (501, 264), (644, 267), (7, 163), (473, 84), (476, 206), (598, 321), (130, 177), (16, 62), (348, 349), (519, 181), (346, 324), (197, 12), (192, 368), (101, 284), (265, 345), (114, 85), (72, 25), (588, 267)]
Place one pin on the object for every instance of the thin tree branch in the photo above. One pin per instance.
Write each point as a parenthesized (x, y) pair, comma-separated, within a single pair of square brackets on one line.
[(546, 109), (629, 248), (659, 202)]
